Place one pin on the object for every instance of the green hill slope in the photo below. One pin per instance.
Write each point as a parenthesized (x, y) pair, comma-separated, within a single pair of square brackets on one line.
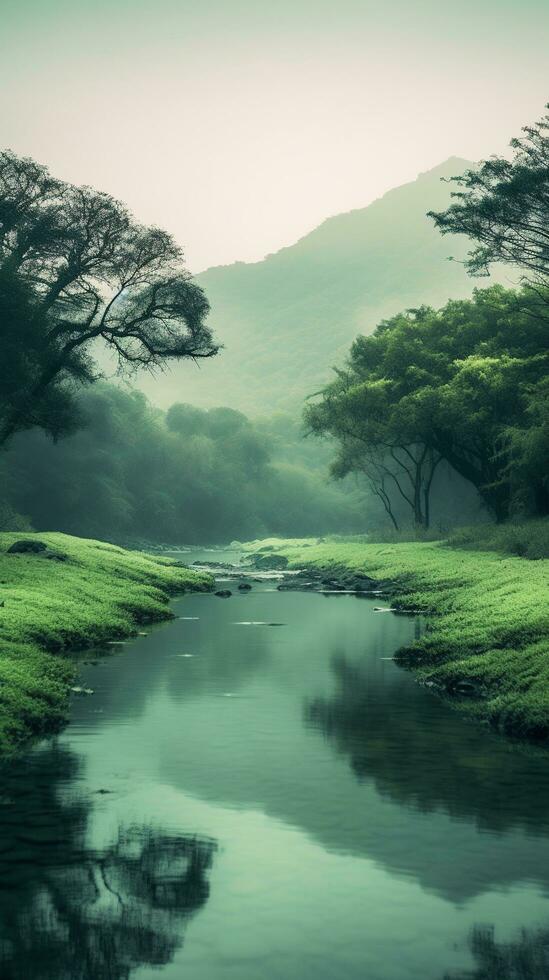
[(286, 320)]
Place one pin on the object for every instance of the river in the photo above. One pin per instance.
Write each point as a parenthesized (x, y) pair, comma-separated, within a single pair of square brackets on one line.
[(240, 800)]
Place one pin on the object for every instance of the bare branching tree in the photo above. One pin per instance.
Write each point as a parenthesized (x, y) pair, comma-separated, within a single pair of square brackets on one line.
[(76, 270)]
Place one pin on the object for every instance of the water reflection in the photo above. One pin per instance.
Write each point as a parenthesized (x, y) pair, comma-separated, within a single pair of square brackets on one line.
[(70, 911), (468, 813), (224, 657), (527, 958), (359, 844), (420, 754)]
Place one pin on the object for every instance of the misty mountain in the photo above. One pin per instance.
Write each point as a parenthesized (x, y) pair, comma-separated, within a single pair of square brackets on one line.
[(285, 321)]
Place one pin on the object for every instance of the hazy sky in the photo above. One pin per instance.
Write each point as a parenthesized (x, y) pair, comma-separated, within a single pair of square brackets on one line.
[(240, 124)]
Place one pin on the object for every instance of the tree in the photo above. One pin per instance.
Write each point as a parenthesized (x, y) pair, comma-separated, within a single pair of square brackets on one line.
[(503, 208), (527, 447), (358, 409), (455, 384), (76, 270)]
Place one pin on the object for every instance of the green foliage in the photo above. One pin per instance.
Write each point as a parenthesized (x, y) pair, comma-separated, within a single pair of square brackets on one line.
[(49, 607), (466, 384), (527, 445), (489, 628), (189, 476), (529, 539), (11, 520), (77, 272), (503, 208)]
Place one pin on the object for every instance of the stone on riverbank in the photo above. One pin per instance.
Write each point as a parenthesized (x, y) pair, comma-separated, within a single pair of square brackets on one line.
[(26, 547)]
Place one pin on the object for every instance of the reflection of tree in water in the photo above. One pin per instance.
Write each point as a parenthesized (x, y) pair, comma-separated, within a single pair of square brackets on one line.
[(527, 958), (420, 753), (69, 912)]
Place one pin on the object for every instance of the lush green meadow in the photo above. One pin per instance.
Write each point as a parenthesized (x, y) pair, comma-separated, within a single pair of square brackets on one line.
[(487, 640), (90, 593)]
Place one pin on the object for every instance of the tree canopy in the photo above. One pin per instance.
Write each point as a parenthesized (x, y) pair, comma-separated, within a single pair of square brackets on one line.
[(77, 270), (461, 384), (503, 207), (133, 473)]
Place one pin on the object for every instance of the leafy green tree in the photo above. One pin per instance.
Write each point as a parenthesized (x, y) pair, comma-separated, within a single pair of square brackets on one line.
[(527, 445), (75, 271), (358, 410), (454, 384), (503, 207)]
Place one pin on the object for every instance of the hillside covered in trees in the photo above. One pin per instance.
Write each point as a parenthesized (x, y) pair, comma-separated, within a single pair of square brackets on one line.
[(285, 321), (466, 384), (437, 416)]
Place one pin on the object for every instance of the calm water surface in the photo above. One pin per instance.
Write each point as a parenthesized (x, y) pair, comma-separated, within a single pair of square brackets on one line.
[(242, 801)]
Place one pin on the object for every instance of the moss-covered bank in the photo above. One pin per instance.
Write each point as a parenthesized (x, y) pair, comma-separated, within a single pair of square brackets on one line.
[(79, 593), (487, 641)]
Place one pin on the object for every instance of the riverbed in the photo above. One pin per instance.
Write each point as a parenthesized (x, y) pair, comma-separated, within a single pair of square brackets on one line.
[(255, 791)]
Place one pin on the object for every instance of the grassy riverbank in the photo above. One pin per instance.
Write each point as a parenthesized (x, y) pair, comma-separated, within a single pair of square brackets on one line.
[(487, 643), (79, 593)]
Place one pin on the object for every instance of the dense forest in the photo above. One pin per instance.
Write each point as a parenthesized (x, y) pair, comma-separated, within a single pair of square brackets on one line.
[(468, 384), (439, 417), (133, 473), (274, 534)]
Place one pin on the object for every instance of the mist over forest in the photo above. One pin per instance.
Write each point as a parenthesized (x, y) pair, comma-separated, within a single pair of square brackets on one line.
[(133, 472), (137, 462), (361, 380), (274, 490)]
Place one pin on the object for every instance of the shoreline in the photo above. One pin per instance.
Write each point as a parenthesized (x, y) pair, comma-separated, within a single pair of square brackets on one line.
[(74, 594), (485, 649), (486, 646)]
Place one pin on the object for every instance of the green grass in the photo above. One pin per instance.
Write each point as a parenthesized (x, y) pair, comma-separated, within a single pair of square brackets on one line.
[(527, 539), (488, 625), (48, 608)]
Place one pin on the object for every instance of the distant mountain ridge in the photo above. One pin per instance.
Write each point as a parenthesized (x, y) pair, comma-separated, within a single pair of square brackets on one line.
[(286, 320)]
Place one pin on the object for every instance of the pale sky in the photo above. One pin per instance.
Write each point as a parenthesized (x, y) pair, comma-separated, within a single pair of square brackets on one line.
[(239, 125)]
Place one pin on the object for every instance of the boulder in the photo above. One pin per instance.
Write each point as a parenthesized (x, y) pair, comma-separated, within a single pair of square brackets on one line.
[(245, 587), (297, 585), (27, 546), (468, 689), (224, 593), (270, 562)]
